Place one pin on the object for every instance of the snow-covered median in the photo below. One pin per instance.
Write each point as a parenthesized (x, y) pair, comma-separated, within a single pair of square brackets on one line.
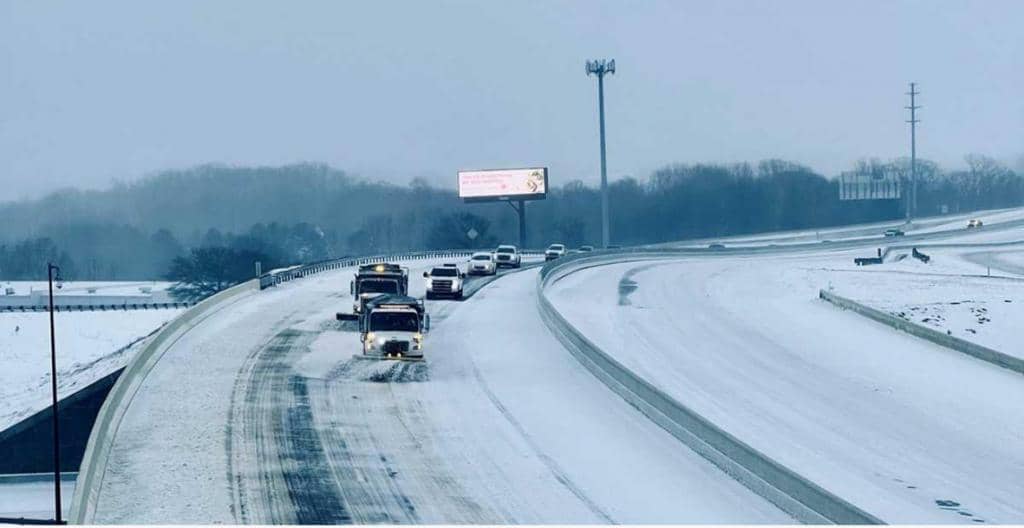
[(986, 311)]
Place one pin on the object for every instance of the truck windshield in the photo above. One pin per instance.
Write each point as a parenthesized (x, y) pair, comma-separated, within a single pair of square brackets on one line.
[(506, 250), (378, 286), (556, 247), (445, 272), (481, 257), (394, 322)]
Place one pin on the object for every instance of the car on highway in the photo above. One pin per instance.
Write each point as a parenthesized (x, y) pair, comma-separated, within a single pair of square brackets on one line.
[(554, 251), (508, 255), (482, 263), (893, 232), (444, 281), (585, 249), (974, 223)]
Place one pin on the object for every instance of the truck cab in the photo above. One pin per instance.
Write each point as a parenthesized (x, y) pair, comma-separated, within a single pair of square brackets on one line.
[(392, 327), (372, 280)]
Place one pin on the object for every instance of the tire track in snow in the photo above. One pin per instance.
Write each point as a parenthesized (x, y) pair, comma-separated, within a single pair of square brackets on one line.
[(552, 466), (293, 482)]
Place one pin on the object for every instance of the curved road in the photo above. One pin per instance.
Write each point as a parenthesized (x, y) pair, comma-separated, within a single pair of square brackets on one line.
[(904, 429), (260, 415)]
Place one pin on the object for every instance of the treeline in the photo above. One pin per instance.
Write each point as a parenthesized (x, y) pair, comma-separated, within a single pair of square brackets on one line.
[(308, 212)]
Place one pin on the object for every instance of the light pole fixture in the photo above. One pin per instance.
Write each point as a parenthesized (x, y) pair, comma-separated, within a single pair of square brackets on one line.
[(600, 68), (53, 273)]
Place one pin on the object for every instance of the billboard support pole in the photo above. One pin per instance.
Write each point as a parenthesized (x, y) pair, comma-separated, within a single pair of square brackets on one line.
[(521, 211)]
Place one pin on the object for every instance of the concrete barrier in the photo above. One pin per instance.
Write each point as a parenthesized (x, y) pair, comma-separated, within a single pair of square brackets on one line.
[(792, 493), (954, 343), (94, 461)]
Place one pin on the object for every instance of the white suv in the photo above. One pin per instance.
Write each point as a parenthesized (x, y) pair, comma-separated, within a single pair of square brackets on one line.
[(554, 251), (507, 255)]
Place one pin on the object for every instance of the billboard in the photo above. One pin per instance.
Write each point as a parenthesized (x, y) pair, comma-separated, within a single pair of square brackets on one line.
[(503, 184), (877, 186)]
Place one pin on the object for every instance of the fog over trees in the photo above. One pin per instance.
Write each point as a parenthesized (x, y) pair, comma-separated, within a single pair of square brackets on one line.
[(308, 212)]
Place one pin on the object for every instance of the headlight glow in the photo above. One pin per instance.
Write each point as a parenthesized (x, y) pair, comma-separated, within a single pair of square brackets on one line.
[(370, 337)]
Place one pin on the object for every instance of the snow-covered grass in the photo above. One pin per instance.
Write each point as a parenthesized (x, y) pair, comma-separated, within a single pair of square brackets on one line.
[(987, 311), (90, 345), (952, 293)]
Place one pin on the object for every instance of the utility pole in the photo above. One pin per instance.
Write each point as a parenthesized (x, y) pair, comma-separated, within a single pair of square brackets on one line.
[(50, 268), (600, 68), (912, 195)]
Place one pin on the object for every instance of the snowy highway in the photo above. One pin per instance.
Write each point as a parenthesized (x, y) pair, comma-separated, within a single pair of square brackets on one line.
[(906, 430), (262, 414), (259, 415)]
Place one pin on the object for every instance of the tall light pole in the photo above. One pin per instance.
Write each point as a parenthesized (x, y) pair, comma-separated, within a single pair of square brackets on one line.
[(50, 269), (600, 68), (912, 197)]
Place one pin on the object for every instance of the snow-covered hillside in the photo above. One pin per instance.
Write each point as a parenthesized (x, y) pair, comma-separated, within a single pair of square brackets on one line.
[(90, 345)]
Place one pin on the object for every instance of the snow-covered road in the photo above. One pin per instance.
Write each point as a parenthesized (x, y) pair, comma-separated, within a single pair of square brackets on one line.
[(904, 429), (259, 415)]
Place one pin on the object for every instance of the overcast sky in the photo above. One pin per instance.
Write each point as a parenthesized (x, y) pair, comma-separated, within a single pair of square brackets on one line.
[(91, 92)]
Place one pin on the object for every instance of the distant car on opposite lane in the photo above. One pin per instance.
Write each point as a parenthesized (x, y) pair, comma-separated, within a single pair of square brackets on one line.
[(974, 223), (893, 232), (585, 249)]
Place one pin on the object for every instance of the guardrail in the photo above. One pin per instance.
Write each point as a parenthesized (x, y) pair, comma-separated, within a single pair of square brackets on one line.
[(94, 461), (96, 307), (994, 357), (794, 494)]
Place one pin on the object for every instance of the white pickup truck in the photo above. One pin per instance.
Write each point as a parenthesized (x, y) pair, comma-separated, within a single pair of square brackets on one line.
[(444, 281), (507, 255)]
